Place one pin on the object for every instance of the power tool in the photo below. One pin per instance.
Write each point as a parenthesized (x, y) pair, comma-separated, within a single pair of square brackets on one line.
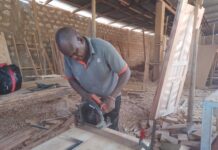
[(90, 112)]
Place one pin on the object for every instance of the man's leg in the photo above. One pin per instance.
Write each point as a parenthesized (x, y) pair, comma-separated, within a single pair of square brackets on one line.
[(114, 114)]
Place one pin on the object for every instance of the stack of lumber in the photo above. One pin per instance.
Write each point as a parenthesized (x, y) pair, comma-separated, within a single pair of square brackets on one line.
[(172, 133)]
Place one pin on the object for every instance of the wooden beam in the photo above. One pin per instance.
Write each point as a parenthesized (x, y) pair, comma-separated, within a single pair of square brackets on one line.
[(17, 55), (93, 18), (159, 30), (195, 42), (15, 139), (121, 19), (45, 55), (169, 7), (214, 27), (31, 58), (146, 59), (81, 8), (126, 4), (48, 1), (125, 12), (105, 13)]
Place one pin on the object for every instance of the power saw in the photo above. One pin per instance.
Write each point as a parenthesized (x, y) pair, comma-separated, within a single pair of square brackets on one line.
[(91, 112)]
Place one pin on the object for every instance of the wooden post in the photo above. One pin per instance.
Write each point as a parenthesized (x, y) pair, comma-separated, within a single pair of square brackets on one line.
[(195, 42), (37, 50), (17, 55), (214, 25), (212, 71), (157, 54), (146, 60), (93, 18), (31, 58)]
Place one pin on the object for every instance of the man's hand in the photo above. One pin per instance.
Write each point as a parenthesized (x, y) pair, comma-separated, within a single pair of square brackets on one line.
[(108, 105)]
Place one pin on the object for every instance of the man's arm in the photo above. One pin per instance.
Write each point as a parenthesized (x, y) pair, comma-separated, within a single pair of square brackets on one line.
[(123, 79), (76, 86)]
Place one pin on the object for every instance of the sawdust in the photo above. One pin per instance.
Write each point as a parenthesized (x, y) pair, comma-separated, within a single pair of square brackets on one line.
[(134, 107)]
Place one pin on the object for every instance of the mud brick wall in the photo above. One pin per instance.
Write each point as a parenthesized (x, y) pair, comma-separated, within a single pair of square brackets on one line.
[(17, 20)]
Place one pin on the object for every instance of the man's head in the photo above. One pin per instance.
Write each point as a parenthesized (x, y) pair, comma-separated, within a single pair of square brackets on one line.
[(71, 43)]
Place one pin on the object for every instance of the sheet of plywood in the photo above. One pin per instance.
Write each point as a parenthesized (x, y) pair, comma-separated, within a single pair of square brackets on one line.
[(206, 54), (176, 61), (4, 54), (91, 138)]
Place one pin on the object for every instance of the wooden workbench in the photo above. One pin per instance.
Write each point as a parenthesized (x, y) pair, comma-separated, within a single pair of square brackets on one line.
[(91, 139)]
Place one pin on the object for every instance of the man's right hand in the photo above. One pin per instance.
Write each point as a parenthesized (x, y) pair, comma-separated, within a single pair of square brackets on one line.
[(106, 106)]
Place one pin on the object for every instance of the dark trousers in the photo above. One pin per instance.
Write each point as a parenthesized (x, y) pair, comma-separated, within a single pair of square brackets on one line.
[(114, 114)]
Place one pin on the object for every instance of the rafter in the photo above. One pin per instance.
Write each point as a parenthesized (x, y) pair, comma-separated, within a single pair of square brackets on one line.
[(105, 13), (48, 1), (122, 19), (213, 21), (81, 8), (124, 3), (114, 6)]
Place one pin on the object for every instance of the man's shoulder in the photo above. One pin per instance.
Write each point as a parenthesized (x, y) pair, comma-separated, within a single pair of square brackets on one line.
[(101, 44), (98, 41)]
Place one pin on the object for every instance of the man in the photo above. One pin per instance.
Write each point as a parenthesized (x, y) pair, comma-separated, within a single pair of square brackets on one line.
[(94, 69)]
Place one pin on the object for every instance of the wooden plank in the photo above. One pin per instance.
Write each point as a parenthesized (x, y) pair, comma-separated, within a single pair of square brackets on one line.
[(49, 133), (38, 54), (91, 140), (17, 55), (93, 18), (18, 99), (54, 57), (206, 53), (169, 92), (146, 61), (31, 58), (15, 139), (4, 53), (45, 55), (119, 137), (182, 137)]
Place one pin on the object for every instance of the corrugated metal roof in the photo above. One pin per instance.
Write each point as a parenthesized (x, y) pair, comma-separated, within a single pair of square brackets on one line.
[(137, 13), (141, 13), (211, 14)]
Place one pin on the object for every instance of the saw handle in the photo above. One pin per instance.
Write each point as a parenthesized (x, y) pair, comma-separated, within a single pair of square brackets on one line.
[(102, 105)]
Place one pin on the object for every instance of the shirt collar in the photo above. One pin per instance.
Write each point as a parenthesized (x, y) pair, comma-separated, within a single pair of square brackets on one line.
[(88, 40)]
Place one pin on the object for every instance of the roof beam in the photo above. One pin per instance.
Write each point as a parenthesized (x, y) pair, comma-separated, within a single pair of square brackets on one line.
[(212, 16), (81, 8), (48, 1), (210, 12), (105, 13), (210, 6), (124, 3), (169, 7), (116, 7), (213, 21), (122, 19)]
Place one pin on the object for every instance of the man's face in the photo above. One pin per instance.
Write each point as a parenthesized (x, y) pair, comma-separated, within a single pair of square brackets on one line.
[(75, 48)]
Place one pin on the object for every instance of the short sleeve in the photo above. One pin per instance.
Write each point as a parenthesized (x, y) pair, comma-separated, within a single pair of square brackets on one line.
[(114, 60), (67, 69)]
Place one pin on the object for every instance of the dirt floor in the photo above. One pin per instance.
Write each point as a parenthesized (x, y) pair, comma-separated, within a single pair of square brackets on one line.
[(61, 102)]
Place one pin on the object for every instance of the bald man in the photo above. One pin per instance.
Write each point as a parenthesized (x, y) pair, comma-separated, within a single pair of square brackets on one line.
[(94, 68)]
